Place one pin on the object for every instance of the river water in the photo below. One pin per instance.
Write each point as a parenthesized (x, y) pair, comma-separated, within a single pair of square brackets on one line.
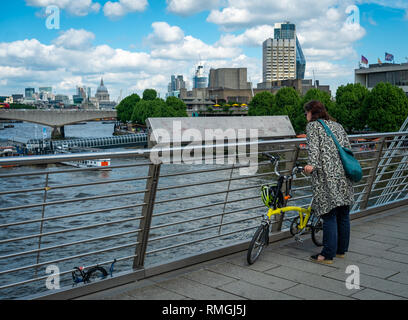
[(177, 222)]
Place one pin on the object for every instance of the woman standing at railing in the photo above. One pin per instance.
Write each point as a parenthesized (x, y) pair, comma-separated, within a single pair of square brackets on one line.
[(332, 190)]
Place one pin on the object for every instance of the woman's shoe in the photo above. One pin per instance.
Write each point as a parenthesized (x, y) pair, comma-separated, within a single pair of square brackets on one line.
[(340, 255), (315, 258)]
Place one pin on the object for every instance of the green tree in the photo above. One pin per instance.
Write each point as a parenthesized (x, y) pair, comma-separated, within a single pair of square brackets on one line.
[(349, 107), (149, 94), (316, 94), (386, 108), (178, 106), (313, 94), (151, 109), (288, 103), (126, 106), (262, 104)]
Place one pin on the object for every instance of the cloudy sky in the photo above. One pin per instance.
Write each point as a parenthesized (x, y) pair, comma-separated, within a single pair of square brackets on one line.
[(139, 44)]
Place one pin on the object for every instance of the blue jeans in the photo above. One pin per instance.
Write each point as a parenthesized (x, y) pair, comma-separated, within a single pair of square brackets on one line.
[(336, 232)]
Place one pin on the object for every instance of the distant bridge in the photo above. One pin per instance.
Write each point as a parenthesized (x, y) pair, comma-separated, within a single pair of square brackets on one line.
[(103, 142), (56, 119)]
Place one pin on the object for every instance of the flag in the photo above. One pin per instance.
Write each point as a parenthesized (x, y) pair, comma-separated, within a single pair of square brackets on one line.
[(364, 60), (379, 61), (389, 57)]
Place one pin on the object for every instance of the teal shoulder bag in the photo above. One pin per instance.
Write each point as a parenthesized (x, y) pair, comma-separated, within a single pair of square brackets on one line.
[(351, 165)]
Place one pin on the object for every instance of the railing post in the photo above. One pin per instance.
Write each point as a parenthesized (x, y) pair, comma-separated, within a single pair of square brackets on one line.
[(372, 175), (226, 199), (147, 213), (46, 188)]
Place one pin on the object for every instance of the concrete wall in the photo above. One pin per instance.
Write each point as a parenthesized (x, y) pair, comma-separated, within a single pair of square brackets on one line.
[(229, 78)]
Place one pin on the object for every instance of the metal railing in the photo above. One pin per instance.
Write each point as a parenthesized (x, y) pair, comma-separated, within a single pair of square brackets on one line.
[(152, 217)]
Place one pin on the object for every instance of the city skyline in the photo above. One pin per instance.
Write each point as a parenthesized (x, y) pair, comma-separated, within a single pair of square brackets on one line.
[(139, 44)]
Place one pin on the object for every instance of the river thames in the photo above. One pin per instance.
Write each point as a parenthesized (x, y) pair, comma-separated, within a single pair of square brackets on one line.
[(24, 131)]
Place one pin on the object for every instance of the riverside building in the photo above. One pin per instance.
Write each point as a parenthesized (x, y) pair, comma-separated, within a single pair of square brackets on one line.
[(282, 56), (396, 74)]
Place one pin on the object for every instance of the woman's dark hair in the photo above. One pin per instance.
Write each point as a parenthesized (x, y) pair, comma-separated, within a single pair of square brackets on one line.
[(318, 110)]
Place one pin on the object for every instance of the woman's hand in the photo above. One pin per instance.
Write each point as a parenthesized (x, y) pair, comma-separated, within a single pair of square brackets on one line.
[(308, 169)]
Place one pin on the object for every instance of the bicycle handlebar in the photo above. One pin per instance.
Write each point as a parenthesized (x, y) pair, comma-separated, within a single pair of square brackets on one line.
[(276, 159)]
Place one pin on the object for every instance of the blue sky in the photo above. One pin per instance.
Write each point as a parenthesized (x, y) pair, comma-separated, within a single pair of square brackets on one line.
[(138, 44)]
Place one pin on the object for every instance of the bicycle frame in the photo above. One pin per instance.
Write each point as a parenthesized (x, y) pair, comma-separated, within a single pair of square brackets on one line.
[(304, 214)]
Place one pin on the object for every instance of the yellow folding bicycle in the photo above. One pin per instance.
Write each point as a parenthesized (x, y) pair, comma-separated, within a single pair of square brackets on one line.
[(276, 201)]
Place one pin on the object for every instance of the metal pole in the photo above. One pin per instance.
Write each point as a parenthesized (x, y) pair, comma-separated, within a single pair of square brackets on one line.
[(226, 198), (147, 213), (372, 176), (46, 188)]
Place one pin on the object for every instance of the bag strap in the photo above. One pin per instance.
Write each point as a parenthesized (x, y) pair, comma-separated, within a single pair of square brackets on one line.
[(329, 133)]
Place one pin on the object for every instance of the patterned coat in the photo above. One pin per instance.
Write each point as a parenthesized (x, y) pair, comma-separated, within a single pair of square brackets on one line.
[(331, 187)]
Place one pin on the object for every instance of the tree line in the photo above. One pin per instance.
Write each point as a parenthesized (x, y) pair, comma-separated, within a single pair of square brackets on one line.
[(383, 109), (137, 110)]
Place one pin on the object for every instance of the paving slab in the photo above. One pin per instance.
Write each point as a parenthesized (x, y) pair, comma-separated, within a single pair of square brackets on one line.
[(388, 239), (261, 264), (310, 293), (366, 281), (257, 278), (386, 264), (209, 278), (380, 230), (299, 264), (401, 277), (255, 292), (149, 293), (312, 280), (370, 294), (195, 290)]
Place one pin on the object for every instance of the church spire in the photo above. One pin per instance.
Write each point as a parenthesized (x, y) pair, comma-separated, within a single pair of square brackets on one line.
[(102, 82)]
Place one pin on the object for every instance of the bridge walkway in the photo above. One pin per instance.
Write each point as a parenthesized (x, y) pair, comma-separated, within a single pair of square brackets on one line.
[(378, 247)]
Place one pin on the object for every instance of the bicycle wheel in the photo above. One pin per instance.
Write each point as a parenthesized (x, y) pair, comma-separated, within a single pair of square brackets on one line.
[(96, 273), (258, 242), (317, 233), (294, 226)]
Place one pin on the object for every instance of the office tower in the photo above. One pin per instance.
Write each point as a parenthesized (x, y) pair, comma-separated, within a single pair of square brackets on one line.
[(283, 57), (175, 85), (199, 80), (29, 92)]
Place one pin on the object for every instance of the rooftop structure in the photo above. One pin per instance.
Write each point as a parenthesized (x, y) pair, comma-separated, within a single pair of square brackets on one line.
[(396, 74)]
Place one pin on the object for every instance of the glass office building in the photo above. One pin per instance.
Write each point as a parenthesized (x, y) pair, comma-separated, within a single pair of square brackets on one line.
[(283, 57)]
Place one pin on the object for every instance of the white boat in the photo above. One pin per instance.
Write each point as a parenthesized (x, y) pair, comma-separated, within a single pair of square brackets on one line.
[(102, 164)]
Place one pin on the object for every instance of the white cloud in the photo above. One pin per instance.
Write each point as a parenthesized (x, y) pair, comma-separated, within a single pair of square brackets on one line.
[(75, 39), (123, 7), (253, 37), (163, 33), (190, 7), (169, 42), (75, 7), (66, 63), (242, 14), (192, 48)]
